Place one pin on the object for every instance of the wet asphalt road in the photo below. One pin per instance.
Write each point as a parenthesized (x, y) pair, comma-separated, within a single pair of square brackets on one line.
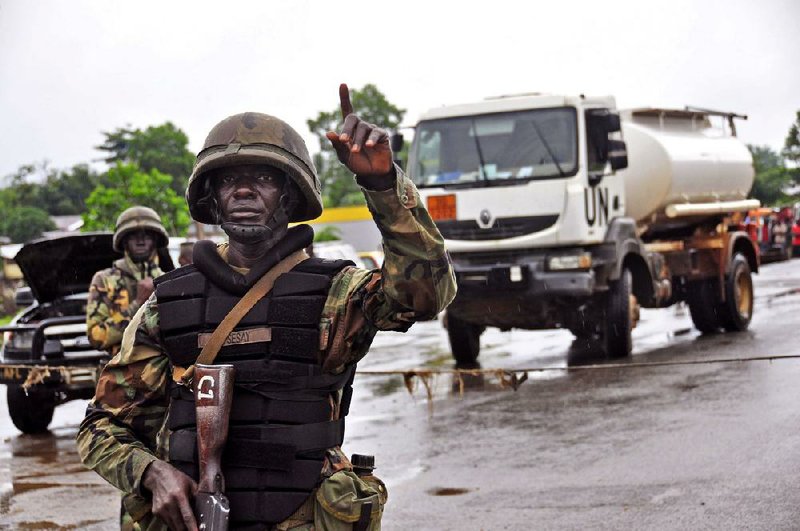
[(694, 446)]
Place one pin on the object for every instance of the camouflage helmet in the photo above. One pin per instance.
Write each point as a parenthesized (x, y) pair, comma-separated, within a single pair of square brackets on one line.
[(255, 138), (139, 218)]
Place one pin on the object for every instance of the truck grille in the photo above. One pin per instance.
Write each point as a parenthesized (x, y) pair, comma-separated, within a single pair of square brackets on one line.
[(502, 228)]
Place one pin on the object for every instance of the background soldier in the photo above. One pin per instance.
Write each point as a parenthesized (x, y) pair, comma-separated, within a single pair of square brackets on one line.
[(294, 352), (116, 293)]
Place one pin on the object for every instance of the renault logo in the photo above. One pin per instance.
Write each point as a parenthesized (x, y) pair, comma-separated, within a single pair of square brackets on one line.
[(485, 218)]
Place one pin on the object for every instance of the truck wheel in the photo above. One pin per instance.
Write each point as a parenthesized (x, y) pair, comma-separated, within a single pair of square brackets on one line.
[(703, 300), (33, 412), (737, 310), (465, 342), (619, 317)]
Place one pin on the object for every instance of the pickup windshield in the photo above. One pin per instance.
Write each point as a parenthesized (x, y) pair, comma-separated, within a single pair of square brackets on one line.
[(484, 150)]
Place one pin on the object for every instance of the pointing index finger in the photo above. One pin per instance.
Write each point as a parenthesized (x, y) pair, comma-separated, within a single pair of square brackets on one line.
[(344, 100)]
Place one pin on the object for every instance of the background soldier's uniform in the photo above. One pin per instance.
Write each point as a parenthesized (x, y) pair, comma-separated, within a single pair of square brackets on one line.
[(112, 301), (125, 428)]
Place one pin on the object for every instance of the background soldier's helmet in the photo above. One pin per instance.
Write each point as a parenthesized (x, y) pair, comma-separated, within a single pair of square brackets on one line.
[(139, 218), (254, 138)]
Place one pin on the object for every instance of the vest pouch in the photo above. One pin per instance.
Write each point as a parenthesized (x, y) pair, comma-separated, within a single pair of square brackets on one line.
[(342, 499)]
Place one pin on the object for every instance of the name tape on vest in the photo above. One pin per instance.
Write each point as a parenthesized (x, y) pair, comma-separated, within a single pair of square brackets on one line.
[(240, 337)]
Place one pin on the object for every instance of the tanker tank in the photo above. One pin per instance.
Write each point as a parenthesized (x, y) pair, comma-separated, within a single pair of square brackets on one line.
[(677, 159)]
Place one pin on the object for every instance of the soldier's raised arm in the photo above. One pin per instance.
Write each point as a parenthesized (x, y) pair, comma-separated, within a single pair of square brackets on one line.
[(416, 281)]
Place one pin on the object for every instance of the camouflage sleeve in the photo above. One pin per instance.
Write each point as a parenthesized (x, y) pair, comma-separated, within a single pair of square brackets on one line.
[(118, 437), (108, 311), (417, 280)]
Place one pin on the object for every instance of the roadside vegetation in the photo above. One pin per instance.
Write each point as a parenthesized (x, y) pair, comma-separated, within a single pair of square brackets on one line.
[(777, 180), (151, 167)]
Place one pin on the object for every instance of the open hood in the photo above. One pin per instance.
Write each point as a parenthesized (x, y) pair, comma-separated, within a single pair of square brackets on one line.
[(63, 266)]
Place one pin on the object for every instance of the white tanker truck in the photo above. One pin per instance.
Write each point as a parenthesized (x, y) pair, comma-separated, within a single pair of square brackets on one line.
[(561, 212)]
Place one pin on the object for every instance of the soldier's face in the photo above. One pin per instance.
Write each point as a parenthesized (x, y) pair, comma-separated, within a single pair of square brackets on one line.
[(247, 194), (140, 245)]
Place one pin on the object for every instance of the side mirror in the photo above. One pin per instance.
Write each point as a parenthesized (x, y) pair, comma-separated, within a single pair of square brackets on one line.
[(617, 154), (23, 297), (604, 120), (613, 123), (396, 142)]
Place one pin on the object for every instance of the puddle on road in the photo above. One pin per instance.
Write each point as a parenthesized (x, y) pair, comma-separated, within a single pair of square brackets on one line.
[(38, 463), (62, 470), (448, 491)]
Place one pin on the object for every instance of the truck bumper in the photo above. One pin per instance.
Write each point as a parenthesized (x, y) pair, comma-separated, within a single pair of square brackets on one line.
[(522, 294), (527, 279), (63, 377)]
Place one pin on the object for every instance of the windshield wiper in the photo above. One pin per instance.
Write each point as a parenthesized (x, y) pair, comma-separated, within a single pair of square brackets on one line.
[(478, 149), (547, 147)]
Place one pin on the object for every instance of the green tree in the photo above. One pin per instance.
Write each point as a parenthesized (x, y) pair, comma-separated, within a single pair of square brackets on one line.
[(22, 187), (791, 146), (764, 158), (64, 193), (158, 147), (24, 223), (126, 185), (772, 178), (330, 233), (338, 186), (59, 192)]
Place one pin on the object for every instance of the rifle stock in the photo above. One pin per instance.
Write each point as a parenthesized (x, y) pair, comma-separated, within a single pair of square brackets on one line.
[(213, 393)]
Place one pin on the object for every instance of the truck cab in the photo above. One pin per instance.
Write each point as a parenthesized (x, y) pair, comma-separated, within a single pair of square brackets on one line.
[(529, 195)]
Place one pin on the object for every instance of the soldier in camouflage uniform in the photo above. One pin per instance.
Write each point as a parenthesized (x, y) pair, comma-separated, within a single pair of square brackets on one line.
[(254, 175), (116, 293)]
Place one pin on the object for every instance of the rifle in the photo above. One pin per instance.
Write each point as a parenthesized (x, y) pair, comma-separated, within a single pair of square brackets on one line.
[(213, 393)]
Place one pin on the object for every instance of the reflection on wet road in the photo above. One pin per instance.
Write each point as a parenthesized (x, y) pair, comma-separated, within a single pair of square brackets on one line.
[(702, 446), (44, 485)]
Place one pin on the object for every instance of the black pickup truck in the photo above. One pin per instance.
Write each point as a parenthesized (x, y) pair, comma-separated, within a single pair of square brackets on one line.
[(46, 358)]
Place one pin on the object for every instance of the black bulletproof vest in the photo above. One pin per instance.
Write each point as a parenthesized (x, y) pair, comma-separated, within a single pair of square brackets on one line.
[(280, 421)]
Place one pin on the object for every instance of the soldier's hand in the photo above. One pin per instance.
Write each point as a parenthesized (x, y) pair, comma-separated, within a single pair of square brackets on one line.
[(144, 288), (173, 494), (361, 146)]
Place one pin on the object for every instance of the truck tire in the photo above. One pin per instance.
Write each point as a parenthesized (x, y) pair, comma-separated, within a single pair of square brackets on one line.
[(737, 310), (619, 319), (31, 412), (465, 342), (703, 300)]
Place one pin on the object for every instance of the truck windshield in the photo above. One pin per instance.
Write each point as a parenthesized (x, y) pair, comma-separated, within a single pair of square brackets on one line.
[(496, 148)]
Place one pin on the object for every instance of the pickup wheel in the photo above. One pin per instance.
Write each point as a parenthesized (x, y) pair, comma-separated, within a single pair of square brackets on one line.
[(737, 310), (703, 300), (465, 342), (31, 412), (619, 317)]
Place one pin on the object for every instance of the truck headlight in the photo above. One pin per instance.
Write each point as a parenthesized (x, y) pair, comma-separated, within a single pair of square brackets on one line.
[(568, 262), (19, 339)]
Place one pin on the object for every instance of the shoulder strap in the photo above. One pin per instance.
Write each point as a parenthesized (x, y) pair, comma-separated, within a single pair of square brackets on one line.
[(245, 304)]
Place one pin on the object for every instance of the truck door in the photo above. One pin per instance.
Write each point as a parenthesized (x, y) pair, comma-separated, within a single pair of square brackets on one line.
[(598, 197)]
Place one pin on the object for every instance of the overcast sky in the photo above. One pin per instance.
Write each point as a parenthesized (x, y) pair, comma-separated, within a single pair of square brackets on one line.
[(69, 70)]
